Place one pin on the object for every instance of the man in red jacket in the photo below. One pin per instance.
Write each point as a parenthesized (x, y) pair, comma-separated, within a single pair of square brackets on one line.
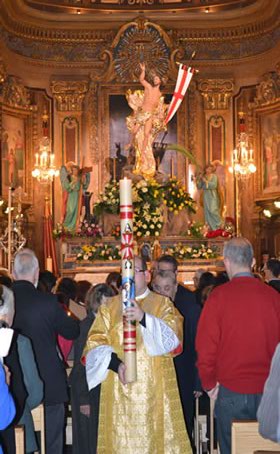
[(237, 334)]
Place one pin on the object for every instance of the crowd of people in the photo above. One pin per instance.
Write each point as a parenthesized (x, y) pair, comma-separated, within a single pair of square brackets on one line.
[(216, 341)]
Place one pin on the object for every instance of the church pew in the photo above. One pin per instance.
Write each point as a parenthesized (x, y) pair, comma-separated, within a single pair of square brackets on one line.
[(246, 439)]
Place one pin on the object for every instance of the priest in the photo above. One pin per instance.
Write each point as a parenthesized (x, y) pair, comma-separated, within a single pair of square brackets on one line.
[(144, 417)]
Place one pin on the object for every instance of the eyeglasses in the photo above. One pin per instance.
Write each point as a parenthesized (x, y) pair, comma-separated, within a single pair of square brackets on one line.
[(139, 271)]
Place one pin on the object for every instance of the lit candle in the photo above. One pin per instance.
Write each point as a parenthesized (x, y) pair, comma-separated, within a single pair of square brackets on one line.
[(128, 286), (251, 155), (37, 159), (49, 264), (51, 160)]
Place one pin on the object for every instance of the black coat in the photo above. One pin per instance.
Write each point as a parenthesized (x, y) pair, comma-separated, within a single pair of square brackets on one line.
[(84, 428), (19, 393), (275, 283), (185, 364), (41, 318)]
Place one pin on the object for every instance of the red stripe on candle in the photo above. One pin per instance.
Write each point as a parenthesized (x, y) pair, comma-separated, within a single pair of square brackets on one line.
[(128, 334), (126, 215)]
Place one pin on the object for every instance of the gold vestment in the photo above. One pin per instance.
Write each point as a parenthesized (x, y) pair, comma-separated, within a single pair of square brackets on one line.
[(144, 417)]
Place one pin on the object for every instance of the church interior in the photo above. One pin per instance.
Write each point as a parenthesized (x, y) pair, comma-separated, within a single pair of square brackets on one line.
[(180, 98), (66, 67)]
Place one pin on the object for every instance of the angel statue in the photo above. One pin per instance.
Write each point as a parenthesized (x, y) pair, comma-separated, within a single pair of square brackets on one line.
[(74, 182), (212, 196), (146, 121)]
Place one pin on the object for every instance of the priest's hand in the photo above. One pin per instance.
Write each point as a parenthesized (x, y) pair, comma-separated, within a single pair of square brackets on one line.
[(134, 313), (121, 373)]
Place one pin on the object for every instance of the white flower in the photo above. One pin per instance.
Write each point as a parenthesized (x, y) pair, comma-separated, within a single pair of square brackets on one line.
[(85, 257)]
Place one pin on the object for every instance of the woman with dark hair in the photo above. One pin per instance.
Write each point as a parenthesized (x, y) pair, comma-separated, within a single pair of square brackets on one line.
[(114, 280), (85, 404)]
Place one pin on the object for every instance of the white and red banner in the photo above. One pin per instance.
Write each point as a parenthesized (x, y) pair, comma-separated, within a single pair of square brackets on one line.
[(183, 81)]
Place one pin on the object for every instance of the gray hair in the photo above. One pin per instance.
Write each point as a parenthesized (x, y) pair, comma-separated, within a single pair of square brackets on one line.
[(7, 302), (239, 251), (164, 274), (26, 263)]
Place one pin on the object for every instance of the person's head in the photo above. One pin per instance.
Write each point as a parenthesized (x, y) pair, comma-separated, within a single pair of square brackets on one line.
[(142, 275), (167, 263), (165, 283), (205, 293), (238, 256), (96, 296), (26, 266), (66, 288), (114, 280), (273, 267), (221, 278), (206, 279), (7, 305), (81, 290), (196, 277), (47, 281), (265, 256)]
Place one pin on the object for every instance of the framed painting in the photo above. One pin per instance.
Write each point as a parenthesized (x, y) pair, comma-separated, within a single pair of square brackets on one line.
[(16, 151), (269, 145)]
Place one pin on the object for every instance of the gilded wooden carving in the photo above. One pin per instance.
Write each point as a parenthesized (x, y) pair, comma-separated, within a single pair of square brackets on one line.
[(216, 93), (69, 94)]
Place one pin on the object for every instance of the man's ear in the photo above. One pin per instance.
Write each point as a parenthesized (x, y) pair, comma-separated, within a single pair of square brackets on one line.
[(147, 276)]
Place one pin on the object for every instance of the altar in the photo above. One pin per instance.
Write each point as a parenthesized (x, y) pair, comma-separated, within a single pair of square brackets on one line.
[(96, 271)]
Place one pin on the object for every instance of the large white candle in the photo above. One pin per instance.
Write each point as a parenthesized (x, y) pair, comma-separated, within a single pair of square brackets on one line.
[(128, 289), (125, 192)]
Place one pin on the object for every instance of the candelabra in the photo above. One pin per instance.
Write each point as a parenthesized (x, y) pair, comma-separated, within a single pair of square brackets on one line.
[(242, 167), (44, 167), (243, 164)]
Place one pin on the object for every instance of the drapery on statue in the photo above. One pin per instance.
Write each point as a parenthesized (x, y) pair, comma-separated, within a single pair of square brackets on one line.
[(212, 196), (146, 121), (73, 181)]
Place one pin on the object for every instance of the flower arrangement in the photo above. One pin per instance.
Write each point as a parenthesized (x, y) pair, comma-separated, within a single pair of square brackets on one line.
[(196, 229), (176, 197), (201, 251), (147, 193), (148, 221), (89, 229), (86, 229), (99, 251), (116, 231), (109, 200), (61, 232)]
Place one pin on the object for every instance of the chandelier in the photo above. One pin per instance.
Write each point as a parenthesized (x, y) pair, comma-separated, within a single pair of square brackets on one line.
[(243, 164), (44, 168)]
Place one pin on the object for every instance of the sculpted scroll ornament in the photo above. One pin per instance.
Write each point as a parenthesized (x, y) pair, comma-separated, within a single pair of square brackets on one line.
[(69, 94), (15, 94), (216, 93), (268, 90)]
